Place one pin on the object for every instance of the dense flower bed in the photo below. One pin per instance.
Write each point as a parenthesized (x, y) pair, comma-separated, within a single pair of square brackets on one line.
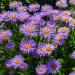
[(37, 39)]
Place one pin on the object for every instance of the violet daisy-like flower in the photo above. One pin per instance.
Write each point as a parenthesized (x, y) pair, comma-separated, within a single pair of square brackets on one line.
[(5, 16), (73, 54), (22, 16), (58, 39), (9, 63), (41, 49), (49, 49), (16, 62), (33, 7), (46, 8), (51, 23), (72, 2), (72, 23), (5, 34), (27, 46), (64, 30), (15, 4), (28, 30), (41, 69), (22, 8), (66, 18), (9, 45), (47, 32), (72, 73), (62, 3), (53, 66), (12, 16)]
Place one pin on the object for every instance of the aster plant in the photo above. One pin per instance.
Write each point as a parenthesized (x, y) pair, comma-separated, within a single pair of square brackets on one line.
[(37, 39)]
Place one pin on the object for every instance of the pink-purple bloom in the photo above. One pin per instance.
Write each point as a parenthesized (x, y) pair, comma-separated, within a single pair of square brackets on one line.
[(41, 69), (5, 34), (62, 3), (27, 46), (16, 62), (47, 32), (9, 45), (53, 66), (33, 7), (15, 4), (28, 30), (73, 54), (72, 73)]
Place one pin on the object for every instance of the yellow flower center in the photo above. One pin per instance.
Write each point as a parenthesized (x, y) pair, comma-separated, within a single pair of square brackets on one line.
[(48, 48), (46, 31), (32, 23), (57, 39), (12, 16), (74, 22), (59, 16), (51, 23), (31, 30), (41, 69), (5, 14), (21, 8), (17, 61), (46, 8), (15, 3), (27, 46), (63, 30), (4, 34), (42, 49), (33, 6), (66, 19)]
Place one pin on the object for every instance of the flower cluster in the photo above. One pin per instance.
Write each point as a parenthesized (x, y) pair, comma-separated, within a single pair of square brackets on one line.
[(42, 29)]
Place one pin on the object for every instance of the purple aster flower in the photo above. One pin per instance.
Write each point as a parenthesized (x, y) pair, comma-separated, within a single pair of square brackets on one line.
[(72, 23), (47, 32), (13, 16), (49, 49), (41, 49), (67, 13), (73, 54), (62, 3), (46, 8), (9, 63), (58, 39), (16, 62), (23, 66), (22, 8), (33, 7), (15, 4), (22, 16), (64, 30), (41, 69), (57, 17), (5, 34), (28, 30), (5, 16), (66, 18), (27, 46), (9, 45), (72, 2), (53, 66), (72, 73), (51, 23)]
